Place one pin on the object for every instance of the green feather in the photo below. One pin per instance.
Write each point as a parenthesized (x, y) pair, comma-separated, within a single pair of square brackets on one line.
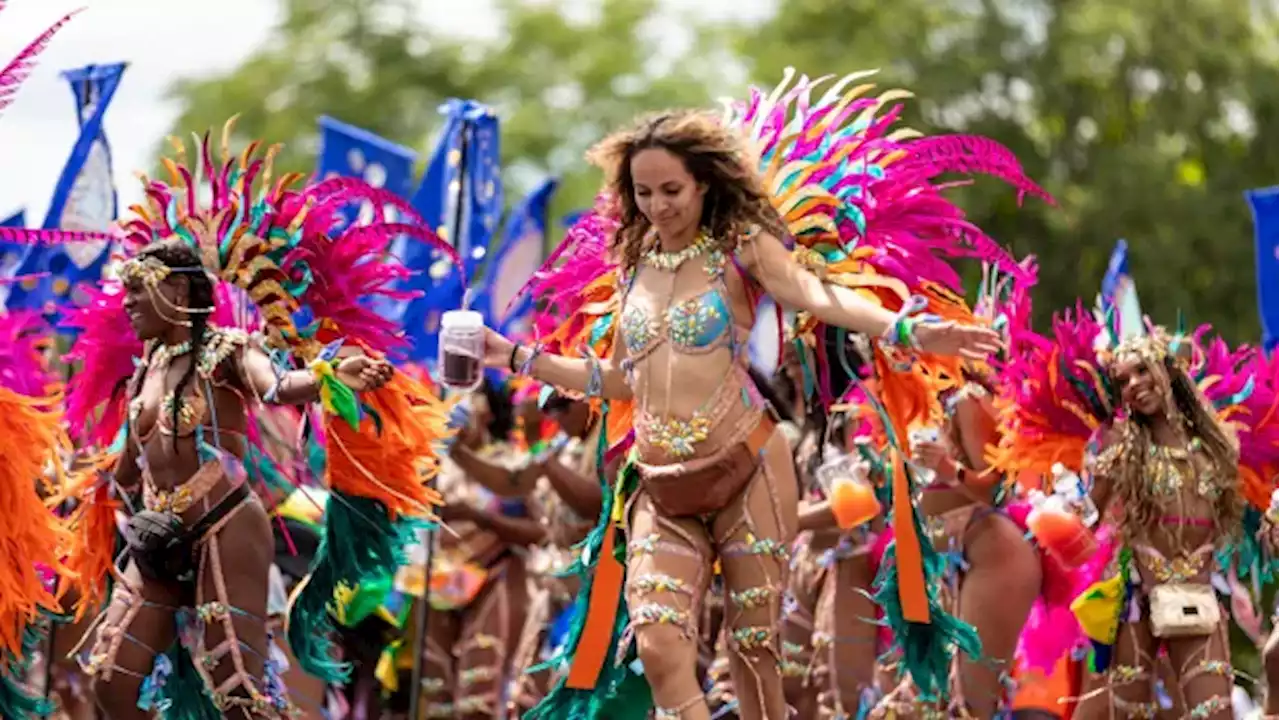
[(343, 399), (360, 543)]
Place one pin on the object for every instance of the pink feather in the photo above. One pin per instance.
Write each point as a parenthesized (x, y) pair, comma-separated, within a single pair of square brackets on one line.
[(19, 68), (22, 366)]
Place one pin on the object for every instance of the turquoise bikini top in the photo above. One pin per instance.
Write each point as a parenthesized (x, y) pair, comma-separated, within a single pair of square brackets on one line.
[(695, 325)]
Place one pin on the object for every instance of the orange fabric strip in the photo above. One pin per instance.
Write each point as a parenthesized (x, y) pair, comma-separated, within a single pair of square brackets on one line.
[(602, 612), (907, 553)]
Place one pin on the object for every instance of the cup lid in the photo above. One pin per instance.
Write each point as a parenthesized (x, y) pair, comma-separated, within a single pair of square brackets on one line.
[(461, 319)]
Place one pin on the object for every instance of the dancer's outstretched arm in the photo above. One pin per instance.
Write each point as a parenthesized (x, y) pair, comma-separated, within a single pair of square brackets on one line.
[(771, 264)]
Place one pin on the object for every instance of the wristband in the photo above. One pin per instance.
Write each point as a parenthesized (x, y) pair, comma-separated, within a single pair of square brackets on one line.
[(526, 368), (511, 361)]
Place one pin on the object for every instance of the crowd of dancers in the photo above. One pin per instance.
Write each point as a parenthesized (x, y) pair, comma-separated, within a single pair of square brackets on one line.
[(241, 505)]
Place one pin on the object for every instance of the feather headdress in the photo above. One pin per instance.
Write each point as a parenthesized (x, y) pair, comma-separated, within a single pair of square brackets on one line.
[(283, 266)]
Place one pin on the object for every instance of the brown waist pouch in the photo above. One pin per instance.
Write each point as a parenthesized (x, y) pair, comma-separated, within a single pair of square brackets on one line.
[(706, 485)]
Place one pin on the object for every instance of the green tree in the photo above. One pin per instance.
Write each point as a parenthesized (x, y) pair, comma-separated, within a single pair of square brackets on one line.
[(1146, 120), (559, 83)]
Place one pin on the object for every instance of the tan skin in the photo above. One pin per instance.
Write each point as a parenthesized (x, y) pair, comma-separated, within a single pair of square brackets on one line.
[(1135, 645), (672, 384), (246, 536), (1002, 582)]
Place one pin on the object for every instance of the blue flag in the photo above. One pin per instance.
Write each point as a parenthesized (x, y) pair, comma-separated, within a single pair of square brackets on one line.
[(513, 263), (10, 253), (1119, 296), (1266, 232), (83, 199), (461, 196), (349, 151)]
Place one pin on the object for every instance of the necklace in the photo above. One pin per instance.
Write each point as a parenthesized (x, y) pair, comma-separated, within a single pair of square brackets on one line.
[(671, 261), (165, 354)]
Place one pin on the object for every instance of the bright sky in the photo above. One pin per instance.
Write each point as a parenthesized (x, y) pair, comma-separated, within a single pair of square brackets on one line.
[(39, 128)]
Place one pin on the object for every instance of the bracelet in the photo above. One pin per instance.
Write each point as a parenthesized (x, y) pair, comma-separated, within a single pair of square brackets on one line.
[(511, 361), (527, 367), (901, 333), (595, 381)]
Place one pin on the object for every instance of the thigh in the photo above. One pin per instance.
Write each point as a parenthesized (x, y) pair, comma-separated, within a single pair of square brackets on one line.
[(231, 609), (668, 570), (1204, 674), (754, 537), (137, 625)]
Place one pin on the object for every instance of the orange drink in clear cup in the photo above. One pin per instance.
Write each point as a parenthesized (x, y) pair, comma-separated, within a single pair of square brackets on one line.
[(853, 499), (1061, 533)]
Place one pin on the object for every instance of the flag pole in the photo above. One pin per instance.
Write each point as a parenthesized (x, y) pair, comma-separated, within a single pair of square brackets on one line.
[(423, 612)]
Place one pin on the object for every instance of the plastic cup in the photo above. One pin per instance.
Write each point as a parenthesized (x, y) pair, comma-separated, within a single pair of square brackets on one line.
[(461, 350), (1063, 535), (853, 499)]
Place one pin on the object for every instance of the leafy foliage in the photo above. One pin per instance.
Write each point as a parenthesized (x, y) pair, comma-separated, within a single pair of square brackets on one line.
[(1147, 119)]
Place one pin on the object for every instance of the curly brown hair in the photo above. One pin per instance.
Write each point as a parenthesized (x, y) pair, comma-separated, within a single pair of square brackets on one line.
[(714, 154)]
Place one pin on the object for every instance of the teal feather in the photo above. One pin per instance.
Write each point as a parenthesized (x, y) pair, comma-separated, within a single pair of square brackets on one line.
[(927, 649), (17, 700), (184, 694)]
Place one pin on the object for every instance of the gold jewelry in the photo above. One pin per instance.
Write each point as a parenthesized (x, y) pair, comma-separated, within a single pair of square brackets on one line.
[(671, 261)]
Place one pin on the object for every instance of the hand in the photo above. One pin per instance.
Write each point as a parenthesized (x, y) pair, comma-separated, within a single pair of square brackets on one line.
[(971, 342), (934, 456), (456, 511), (497, 350), (361, 373)]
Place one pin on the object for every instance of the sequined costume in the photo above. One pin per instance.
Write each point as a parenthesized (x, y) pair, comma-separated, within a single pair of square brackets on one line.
[(858, 198), (1063, 402), (283, 290), (479, 601)]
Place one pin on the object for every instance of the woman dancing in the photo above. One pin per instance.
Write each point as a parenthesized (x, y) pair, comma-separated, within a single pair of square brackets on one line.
[(186, 630), (472, 637), (698, 242)]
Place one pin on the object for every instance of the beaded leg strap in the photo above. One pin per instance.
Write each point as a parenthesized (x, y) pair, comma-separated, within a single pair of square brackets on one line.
[(479, 684), (235, 691)]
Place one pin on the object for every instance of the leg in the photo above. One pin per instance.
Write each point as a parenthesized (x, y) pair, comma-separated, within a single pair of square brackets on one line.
[(1125, 690), (668, 571), (229, 641), (137, 626), (1204, 674), (489, 634), (996, 595), (1271, 661), (527, 689), (438, 665), (799, 606), (754, 536), (846, 617)]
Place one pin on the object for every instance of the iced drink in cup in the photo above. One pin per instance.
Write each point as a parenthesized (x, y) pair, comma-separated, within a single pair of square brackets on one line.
[(461, 350), (853, 499), (923, 435)]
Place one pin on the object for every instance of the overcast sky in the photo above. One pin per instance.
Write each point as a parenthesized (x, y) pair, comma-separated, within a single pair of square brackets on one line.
[(38, 129)]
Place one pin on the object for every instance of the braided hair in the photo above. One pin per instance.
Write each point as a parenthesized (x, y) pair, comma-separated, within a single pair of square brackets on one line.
[(176, 253)]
